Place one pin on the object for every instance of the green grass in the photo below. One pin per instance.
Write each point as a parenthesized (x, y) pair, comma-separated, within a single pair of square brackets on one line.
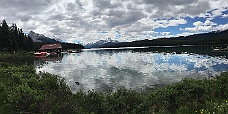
[(24, 91), (18, 58), (17, 53)]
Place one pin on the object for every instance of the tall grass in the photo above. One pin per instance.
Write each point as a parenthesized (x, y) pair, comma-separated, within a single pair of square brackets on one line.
[(24, 91)]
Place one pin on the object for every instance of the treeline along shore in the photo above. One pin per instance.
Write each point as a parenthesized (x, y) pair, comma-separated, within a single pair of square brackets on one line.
[(216, 38), (13, 38)]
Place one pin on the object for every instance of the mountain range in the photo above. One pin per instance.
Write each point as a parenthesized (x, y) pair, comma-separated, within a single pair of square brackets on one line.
[(100, 43), (211, 38), (41, 38)]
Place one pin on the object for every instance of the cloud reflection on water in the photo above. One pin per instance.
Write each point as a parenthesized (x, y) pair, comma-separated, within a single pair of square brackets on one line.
[(107, 70)]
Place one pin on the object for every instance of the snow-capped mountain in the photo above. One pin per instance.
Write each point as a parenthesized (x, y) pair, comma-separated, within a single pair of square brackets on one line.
[(101, 43), (59, 40), (41, 38)]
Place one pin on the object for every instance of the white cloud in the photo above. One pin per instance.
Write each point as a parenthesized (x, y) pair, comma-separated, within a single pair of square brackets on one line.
[(222, 27), (166, 23), (205, 28), (219, 5), (185, 34), (165, 33), (198, 23), (201, 26), (225, 16), (208, 23), (68, 18), (194, 29)]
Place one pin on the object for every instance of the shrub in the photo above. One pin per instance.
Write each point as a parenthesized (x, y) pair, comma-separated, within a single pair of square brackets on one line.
[(24, 91)]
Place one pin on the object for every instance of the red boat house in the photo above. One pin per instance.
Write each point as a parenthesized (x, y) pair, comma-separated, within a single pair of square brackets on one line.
[(51, 48)]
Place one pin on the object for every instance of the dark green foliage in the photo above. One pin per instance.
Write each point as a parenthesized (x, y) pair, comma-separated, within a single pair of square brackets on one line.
[(67, 46), (18, 58), (212, 38), (189, 95), (13, 38), (24, 91), (126, 101)]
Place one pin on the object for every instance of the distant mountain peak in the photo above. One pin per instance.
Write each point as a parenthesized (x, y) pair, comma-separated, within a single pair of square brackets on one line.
[(101, 43), (41, 38), (59, 40)]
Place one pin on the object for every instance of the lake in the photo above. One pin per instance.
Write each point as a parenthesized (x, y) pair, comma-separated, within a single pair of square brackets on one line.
[(140, 69)]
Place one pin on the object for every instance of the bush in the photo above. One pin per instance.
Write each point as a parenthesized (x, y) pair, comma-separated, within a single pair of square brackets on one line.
[(214, 107), (24, 91)]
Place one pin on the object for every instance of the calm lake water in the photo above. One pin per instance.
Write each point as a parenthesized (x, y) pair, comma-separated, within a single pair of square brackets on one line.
[(139, 69)]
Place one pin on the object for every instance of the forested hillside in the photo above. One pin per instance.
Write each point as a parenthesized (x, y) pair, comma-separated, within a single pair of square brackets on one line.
[(13, 38), (212, 38)]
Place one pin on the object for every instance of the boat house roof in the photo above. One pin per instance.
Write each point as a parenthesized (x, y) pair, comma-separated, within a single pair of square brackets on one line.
[(51, 46)]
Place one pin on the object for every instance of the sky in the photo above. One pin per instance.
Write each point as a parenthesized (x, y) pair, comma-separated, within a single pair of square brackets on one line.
[(86, 21)]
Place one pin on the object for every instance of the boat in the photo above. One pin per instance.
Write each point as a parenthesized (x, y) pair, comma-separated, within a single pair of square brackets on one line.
[(41, 54), (220, 49), (74, 51)]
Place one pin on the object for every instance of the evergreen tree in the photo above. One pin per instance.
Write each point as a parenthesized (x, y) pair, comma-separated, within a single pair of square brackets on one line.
[(14, 35), (13, 38), (1, 38), (5, 35), (20, 39), (30, 43)]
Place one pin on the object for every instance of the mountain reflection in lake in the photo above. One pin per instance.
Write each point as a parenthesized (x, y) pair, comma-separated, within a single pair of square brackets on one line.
[(104, 70)]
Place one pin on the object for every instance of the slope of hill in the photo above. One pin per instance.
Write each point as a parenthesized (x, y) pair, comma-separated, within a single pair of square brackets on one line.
[(41, 38), (212, 38)]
